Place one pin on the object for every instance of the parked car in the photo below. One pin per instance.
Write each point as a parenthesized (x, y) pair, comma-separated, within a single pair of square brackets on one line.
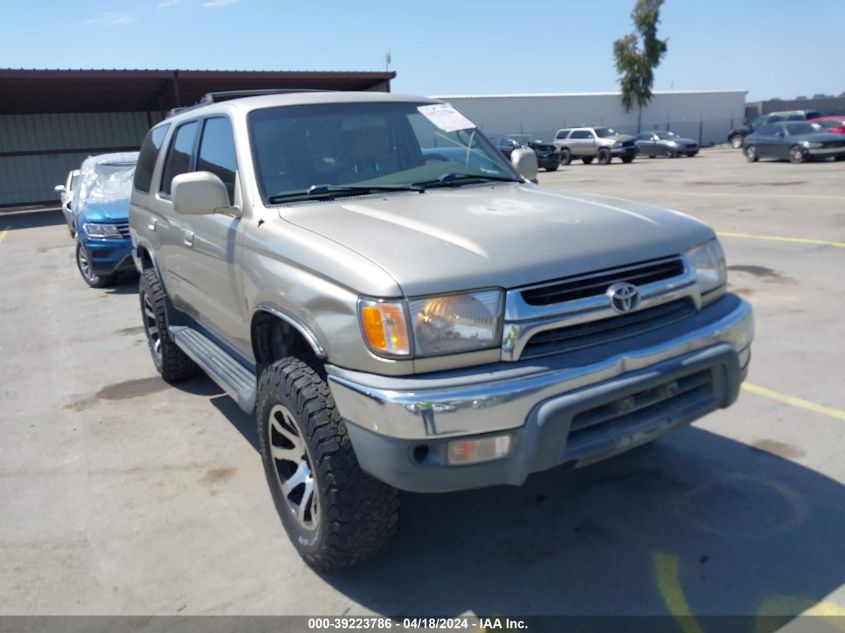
[(738, 134), (601, 143), (401, 308), (831, 124), (548, 156), (668, 144), (65, 192), (797, 141), (101, 217)]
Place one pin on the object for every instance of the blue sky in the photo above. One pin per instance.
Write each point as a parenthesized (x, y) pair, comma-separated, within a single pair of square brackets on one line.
[(770, 48)]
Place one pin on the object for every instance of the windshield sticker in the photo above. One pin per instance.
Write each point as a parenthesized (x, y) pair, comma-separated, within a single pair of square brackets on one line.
[(444, 116)]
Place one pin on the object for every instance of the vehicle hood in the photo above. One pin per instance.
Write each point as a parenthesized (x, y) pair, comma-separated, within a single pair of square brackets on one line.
[(504, 235), (105, 211), (543, 147)]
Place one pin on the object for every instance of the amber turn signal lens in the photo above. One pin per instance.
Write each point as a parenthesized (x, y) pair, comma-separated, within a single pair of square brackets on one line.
[(385, 327)]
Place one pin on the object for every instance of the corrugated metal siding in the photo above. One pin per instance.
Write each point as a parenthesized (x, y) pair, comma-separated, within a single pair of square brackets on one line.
[(57, 143), (708, 115)]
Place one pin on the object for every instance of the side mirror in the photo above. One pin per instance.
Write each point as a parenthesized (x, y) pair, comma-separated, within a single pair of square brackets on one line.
[(201, 193), (525, 162), (59, 189)]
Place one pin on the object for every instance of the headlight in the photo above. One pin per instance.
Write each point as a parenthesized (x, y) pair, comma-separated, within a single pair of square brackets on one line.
[(617, 144), (671, 143), (102, 230), (810, 145), (456, 323), (708, 261), (448, 324)]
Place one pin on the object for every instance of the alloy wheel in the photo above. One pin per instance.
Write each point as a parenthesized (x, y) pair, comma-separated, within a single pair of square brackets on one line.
[(85, 264), (292, 466), (151, 326)]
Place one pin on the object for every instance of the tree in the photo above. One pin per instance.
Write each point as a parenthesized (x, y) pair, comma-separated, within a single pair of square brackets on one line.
[(635, 60)]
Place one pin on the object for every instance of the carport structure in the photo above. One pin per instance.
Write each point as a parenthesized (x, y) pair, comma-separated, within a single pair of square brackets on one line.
[(51, 120)]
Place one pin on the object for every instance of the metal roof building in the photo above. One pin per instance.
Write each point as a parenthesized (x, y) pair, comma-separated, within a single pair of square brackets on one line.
[(51, 120), (704, 115)]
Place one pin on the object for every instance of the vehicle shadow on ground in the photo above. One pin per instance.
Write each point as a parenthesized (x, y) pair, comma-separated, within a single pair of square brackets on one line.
[(13, 220), (694, 523)]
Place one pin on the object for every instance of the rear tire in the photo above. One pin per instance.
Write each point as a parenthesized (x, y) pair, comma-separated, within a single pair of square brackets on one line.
[(751, 154), (797, 154), (604, 156), (565, 156), (587, 160), (736, 141), (628, 159), (83, 263), (335, 514), (170, 361)]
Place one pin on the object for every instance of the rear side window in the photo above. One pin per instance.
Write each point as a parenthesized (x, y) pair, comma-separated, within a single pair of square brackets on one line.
[(147, 157), (178, 159), (217, 152), (582, 134)]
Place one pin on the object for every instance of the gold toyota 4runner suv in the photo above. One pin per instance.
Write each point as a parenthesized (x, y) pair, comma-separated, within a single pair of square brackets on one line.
[(403, 308)]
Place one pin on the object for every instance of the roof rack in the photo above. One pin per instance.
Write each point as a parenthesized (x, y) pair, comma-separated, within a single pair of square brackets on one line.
[(224, 95)]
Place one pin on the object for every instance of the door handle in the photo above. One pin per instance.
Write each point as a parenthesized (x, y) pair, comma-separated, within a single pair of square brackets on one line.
[(189, 238)]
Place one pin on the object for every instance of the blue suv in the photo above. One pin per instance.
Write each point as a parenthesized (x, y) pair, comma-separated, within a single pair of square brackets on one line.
[(101, 217)]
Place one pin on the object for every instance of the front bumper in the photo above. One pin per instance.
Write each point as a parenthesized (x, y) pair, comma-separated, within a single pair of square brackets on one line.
[(551, 159), (555, 411), (625, 150), (107, 256), (827, 151)]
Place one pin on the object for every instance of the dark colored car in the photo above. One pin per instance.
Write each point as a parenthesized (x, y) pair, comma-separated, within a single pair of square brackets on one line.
[(738, 134), (548, 156), (797, 141), (668, 144), (831, 124)]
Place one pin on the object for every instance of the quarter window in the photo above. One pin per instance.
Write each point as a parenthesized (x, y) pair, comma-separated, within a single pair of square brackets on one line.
[(147, 157), (562, 134), (178, 159), (217, 153)]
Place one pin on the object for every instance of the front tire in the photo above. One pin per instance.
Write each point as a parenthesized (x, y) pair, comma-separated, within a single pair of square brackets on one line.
[(83, 263), (669, 152), (736, 141), (605, 156), (335, 514), (552, 167), (751, 154), (170, 361), (628, 159), (797, 154), (565, 156)]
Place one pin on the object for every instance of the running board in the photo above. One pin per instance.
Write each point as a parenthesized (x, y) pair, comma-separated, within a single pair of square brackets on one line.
[(233, 378)]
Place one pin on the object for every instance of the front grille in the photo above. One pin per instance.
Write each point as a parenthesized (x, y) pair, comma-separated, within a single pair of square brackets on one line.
[(123, 227), (585, 335), (572, 288), (646, 411)]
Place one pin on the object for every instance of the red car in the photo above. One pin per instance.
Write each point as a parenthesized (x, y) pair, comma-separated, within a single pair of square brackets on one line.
[(831, 124)]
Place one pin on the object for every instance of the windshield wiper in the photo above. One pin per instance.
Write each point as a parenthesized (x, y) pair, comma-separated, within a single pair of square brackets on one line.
[(323, 192), (451, 178)]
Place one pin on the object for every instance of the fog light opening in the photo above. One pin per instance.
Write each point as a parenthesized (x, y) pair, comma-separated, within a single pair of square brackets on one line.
[(421, 452), (479, 450)]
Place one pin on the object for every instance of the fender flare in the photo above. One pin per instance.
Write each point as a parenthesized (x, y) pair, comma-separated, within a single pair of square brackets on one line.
[(290, 319)]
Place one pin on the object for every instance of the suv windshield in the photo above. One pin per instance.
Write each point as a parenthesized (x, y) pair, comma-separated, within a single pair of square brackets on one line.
[(604, 132), (350, 147)]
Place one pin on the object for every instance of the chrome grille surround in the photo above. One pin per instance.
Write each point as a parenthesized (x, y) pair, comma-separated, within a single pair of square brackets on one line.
[(523, 321)]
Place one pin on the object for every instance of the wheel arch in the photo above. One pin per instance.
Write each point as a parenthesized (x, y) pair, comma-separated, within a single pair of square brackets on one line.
[(275, 334)]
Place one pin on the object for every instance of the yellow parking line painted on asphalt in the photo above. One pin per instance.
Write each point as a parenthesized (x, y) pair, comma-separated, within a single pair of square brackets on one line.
[(669, 584), (775, 238), (795, 402), (4, 231), (760, 194)]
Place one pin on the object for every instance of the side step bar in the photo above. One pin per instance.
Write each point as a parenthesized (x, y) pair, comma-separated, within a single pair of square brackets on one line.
[(229, 374)]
